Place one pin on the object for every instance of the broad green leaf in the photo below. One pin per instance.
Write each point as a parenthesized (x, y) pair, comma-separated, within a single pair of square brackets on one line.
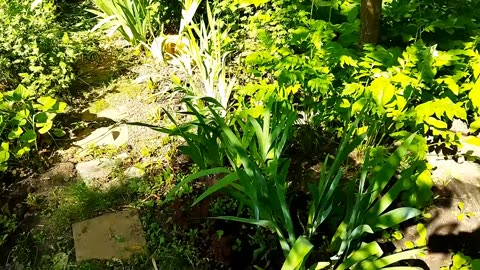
[(382, 91), (21, 93), (383, 176), (436, 123), (45, 103), (395, 217), (29, 136), (365, 251), (319, 266), (298, 254), (45, 127), (394, 258), (452, 85)]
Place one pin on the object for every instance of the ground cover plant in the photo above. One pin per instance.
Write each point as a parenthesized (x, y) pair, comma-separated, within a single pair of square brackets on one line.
[(247, 96)]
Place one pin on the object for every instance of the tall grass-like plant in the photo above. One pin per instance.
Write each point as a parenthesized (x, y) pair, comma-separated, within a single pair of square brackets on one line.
[(203, 57), (132, 18), (201, 134)]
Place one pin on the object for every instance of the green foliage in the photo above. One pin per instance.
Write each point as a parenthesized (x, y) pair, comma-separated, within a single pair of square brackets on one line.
[(132, 18), (8, 224), (34, 49), (23, 118), (200, 51), (462, 261)]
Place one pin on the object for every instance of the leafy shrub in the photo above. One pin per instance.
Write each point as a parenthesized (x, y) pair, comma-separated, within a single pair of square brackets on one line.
[(23, 117), (34, 49)]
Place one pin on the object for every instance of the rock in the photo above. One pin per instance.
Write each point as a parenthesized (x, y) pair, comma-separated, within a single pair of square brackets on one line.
[(449, 169), (106, 136), (116, 235), (95, 172), (134, 173), (446, 233), (117, 113), (459, 126)]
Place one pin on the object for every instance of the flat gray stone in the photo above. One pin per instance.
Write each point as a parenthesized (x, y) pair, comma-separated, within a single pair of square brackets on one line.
[(459, 126), (95, 171), (449, 169), (134, 173), (117, 113), (111, 236), (446, 234), (106, 136)]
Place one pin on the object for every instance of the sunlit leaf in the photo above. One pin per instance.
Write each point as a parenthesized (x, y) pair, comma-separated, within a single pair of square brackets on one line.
[(298, 254)]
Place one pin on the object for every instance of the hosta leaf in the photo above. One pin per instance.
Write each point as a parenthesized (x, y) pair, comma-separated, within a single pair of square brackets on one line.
[(319, 266)]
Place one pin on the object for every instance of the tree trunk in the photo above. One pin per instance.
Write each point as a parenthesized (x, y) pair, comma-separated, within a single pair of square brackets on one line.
[(370, 16)]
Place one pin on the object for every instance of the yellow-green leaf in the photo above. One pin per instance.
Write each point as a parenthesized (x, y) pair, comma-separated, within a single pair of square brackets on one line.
[(409, 245), (382, 91), (460, 216), (472, 140), (397, 235), (461, 205), (435, 123)]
